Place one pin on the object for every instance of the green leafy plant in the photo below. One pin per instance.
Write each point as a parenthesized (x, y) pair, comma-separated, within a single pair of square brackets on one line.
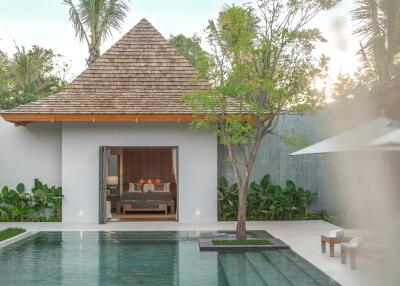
[(43, 203), (6, 203), (306, 197), (47, 198), (227, 200), (266, 201), (22, 203)]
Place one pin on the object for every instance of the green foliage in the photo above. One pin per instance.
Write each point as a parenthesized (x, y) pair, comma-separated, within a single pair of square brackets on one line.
[(94, 21), (42, 204), (347, 86), (377, 25), (191, 49), (292, 139), (30, 75), (262, 66), (227, 200), (10, 232), (265, 200), (241, 242), (323, 215)]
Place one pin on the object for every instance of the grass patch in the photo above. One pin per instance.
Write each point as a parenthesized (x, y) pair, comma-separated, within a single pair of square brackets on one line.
[(10, 232), (242, 242)]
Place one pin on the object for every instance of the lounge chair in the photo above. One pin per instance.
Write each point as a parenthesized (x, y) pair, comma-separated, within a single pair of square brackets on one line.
[(333, 237), (352, 248)]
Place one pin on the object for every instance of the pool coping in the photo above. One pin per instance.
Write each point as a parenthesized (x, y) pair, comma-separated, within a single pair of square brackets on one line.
[(205, 244), (17, 238)]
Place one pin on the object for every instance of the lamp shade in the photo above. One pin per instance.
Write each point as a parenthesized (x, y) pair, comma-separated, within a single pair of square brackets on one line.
[(112, 180)]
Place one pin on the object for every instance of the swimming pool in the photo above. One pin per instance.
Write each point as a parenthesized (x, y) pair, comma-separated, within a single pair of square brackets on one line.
[(147, 258)]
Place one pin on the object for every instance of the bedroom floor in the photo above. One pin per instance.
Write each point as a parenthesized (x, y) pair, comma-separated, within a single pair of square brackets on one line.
[(143, 217)]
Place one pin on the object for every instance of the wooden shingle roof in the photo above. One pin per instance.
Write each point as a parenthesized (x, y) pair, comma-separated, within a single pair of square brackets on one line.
[(140, 76)]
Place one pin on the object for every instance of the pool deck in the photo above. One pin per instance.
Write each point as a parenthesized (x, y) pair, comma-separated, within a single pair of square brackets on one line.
[(302, 236)]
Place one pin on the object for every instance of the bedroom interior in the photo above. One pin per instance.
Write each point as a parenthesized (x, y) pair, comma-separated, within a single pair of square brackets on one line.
[(142, 184)]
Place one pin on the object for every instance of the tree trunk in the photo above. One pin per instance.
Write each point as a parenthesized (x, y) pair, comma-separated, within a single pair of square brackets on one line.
[(242, 211), (94, 54), (243, 182)]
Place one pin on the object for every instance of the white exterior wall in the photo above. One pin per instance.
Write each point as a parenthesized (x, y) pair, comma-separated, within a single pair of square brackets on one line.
[(29, 152), (197, 154)]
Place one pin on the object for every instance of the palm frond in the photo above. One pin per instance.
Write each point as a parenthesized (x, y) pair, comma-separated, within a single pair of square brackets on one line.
[(74, 17), (375, 22), (114, 13)]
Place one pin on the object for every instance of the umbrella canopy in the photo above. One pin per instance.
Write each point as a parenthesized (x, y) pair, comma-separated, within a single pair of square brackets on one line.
[(353, 140), (389, 141)]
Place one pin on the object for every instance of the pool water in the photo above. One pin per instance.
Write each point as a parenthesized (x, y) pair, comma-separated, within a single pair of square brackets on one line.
[(147, 258)]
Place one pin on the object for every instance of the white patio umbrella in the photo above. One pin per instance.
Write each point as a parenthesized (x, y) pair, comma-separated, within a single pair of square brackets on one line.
[(353, 140), (387, 142)]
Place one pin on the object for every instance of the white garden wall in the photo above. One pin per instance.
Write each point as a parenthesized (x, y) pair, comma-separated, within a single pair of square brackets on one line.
[(80, 166), (29, 152)]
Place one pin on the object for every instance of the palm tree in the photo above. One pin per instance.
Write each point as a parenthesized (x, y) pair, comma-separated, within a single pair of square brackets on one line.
[(94, 20), (378, 25)]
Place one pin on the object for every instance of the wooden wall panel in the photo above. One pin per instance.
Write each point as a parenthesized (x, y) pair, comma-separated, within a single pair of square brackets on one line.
[(147, 163)]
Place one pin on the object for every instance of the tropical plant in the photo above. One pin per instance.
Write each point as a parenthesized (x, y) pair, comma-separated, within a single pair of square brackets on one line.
[(22, 203), (6, 203), (15, 204), (378, 26), (227, 200), (43, 203), (262, 65), (267, 201), (47, 198), (94, 21), (30, 74), (306, 197)]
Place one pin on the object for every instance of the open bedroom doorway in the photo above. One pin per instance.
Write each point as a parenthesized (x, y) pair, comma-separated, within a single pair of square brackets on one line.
[(138, 184)]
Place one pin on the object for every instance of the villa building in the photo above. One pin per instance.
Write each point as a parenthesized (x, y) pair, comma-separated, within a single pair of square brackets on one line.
[(125, 117)]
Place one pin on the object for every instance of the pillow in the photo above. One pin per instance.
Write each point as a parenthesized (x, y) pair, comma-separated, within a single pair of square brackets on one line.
[(148, 188), (355, 242), (138, 187), (131, 187), (336, 233), (159, 188), (167, 187)]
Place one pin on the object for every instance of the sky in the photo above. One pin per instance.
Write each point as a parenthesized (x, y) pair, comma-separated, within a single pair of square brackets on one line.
[(46, 23)]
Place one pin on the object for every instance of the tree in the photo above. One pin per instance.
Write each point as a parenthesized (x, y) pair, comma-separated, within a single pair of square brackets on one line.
[(191, 49), (378, 25), (261, 68), (30, 75), (94, 21), (4, 66), (348, 86)]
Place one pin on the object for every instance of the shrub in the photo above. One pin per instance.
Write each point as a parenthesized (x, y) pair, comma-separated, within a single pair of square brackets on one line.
[(227, 200), (42, 204), (265, 201)]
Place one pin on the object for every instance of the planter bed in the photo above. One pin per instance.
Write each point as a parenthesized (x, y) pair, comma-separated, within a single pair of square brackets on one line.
[(10, 232), (12, 235), (241, 245)]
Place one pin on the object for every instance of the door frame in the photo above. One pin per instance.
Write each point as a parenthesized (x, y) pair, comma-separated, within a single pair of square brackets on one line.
[(103, 184)]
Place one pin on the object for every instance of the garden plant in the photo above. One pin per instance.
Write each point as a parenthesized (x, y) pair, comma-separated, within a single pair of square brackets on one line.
[(43, 203), (266, 201)]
